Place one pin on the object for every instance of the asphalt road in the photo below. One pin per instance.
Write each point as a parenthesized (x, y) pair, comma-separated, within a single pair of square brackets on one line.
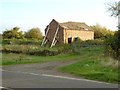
[(16, 79)]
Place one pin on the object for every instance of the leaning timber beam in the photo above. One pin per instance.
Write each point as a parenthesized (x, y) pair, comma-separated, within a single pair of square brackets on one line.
[(45, 39), (53, 42)]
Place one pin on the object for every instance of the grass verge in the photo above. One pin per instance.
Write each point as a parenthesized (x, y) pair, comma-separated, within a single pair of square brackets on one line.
[(13, 59), (94, 65)]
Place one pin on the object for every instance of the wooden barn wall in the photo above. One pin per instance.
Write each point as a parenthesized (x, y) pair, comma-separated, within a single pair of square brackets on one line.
[(60, 36), (51, 33)]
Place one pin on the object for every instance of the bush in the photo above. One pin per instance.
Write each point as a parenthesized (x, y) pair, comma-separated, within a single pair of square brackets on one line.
[(76, 45), (6, 41), (89, 43), (34, 33), (34, 49), (113, 45), (101, 32), (65, 48), (13, 33), (21, 41), (95, 42), (44, 53), (77, 39), (29, 49)]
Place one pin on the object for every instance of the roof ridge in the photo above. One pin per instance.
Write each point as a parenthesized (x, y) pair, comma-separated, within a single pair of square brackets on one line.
[(73, 25), (73, 22)]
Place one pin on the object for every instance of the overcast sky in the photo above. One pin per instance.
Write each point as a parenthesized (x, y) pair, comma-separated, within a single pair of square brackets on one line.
[(27, 14)]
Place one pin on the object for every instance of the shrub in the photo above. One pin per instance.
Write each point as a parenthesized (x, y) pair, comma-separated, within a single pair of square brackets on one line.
[(113, 45), (21, 41), (75, 46), (6, 41), (94, 42), (13, 33), (44, 53), (77, 39), (65, 48), (34, 33), (29, 49), (89, 43), (101, 32)]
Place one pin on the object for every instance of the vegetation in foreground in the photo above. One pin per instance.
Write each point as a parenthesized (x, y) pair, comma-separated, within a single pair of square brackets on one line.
[(94, 65), (8, 59)]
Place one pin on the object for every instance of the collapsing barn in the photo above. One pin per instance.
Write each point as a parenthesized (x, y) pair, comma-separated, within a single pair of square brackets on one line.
[(61, 33)]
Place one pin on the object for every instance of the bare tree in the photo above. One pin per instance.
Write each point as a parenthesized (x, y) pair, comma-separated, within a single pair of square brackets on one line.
[(114, 8)]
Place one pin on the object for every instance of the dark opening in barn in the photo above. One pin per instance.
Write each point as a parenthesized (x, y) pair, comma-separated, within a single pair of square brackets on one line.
[(70, 40)]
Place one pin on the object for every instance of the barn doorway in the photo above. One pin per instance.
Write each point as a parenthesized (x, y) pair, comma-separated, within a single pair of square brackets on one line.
[(69, 40)]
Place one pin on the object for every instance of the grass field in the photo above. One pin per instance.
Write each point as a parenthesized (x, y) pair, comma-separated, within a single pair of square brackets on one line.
[(94, 65), (13, 59)]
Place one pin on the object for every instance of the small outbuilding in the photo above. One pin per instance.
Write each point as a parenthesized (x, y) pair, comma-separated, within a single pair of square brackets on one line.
[(61, 33)]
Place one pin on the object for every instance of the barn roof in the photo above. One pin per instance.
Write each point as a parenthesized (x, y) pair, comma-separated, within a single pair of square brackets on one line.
[(75, 26)]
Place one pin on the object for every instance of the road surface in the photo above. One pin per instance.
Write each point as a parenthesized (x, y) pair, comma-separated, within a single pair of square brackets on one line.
[(32, 80), (45, 76)]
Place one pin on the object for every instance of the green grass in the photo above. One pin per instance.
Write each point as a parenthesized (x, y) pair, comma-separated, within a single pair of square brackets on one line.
[(94, 65), (0, 59), (13, 59)]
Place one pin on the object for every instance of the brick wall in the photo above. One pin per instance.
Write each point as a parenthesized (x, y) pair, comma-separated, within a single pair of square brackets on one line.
[(82, 34)]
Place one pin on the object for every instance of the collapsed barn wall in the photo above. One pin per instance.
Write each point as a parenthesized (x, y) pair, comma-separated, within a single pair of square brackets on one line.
[(51, 33)]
